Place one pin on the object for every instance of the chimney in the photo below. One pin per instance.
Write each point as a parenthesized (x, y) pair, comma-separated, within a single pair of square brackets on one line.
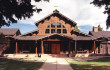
[(95, 29)]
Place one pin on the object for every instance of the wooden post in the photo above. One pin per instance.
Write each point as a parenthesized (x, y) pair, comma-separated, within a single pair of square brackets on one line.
[(69, 47), (75, 46), (42, 48), (107, 49), (94, 46), (36, 46), (16, 47)]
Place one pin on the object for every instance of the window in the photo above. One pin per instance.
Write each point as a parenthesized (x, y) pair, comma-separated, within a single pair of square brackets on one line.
[(47, 31), (64, 31), (52, 31), (56, 28), (53, 25), (58, 25)]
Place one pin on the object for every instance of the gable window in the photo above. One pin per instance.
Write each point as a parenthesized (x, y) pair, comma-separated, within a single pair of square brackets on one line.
[(56, 28)]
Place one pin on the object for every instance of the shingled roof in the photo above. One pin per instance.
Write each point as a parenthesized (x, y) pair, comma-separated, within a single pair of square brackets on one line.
[(39, 37), (8, 31), (81, 33), (99, 34), (56, 13), (79, 38)]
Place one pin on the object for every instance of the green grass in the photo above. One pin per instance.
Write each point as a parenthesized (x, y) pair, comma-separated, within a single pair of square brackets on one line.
[(8, 64), (97, 64)]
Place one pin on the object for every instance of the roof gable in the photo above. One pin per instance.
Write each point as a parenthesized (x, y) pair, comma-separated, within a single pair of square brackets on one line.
[(100, 34), (9, 31), (80, 33), (61, 16)]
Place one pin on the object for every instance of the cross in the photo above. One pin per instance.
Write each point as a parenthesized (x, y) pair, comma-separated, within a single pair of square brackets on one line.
[(56, 7)]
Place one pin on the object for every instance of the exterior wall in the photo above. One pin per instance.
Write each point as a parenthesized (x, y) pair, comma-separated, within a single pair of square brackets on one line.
[(54, 19), (104, 49), (109, 49)]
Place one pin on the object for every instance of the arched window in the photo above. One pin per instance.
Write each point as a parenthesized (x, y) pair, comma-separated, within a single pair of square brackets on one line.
[(56, 28)]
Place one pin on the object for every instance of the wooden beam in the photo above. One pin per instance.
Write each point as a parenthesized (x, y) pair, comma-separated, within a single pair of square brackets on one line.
[(69, 47), (94, 46), (52, 40), (107, 48), (36, 46), (75, 46), (42, 48), (16, 50)]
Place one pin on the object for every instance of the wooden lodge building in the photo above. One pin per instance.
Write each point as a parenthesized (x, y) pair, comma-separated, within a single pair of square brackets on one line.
[(56, 35)]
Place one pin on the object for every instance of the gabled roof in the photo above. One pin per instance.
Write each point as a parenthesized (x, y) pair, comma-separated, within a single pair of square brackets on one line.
[(61, 16), (99, 34), (39, 37), (81, 33), (8, 31), (26, 34)]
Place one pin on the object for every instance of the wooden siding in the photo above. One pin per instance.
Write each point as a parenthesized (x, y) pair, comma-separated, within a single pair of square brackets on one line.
[(54, 19)]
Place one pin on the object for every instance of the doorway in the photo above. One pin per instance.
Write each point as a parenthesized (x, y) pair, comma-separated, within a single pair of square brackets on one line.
[(55, 48)]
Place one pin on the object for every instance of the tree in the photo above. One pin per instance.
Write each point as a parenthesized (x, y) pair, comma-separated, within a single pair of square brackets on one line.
[(100, 28), (13, 10), (3, 43), (106, 4), (76, 28)]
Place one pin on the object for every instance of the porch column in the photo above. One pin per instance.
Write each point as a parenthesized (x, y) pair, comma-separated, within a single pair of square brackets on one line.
[(69, 47), (107, 48), (16, 49), (36, 46), (94, 46), (75, 46), (42, 48)]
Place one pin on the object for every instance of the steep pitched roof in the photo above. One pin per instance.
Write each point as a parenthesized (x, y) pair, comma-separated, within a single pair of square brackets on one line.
[(99, 34), (8, 31), (56, 13)]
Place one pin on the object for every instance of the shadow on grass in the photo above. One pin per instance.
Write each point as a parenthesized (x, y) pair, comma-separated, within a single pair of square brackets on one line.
[(104, 59), (8, 64)]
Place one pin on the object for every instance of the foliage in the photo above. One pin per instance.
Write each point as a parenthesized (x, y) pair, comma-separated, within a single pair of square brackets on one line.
[(8, 64), (3, 43), (13, 10), (106, 4), (100, 28), (77, 29)]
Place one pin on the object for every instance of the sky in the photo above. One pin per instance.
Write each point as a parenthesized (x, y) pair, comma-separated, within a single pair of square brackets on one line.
[(82, 12)]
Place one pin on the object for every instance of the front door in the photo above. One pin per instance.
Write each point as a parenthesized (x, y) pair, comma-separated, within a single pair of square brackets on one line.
[(55, 48)]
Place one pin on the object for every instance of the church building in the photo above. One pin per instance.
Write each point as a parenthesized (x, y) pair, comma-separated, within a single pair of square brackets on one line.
[(56, 34)]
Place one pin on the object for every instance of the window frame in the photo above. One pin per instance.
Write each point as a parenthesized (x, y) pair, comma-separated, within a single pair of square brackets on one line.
[(56, 28)]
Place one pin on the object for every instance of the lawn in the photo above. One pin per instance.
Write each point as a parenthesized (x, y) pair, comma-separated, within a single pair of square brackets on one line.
[(9, 64), (95, 64)]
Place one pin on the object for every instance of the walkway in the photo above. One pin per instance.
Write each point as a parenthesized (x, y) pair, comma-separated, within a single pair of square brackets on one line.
[(56, 63)]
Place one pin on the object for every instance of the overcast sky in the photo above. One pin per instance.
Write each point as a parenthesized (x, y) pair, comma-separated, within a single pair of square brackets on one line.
[(82, 12)]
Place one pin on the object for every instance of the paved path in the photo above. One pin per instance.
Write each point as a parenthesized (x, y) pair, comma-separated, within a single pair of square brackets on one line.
[(56, 64)]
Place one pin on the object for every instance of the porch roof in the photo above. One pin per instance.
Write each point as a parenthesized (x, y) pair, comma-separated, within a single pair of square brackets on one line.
[(82, 38), (39, 37)]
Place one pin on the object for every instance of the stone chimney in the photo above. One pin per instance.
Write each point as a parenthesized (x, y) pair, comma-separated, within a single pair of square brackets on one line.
[(95, 29)]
